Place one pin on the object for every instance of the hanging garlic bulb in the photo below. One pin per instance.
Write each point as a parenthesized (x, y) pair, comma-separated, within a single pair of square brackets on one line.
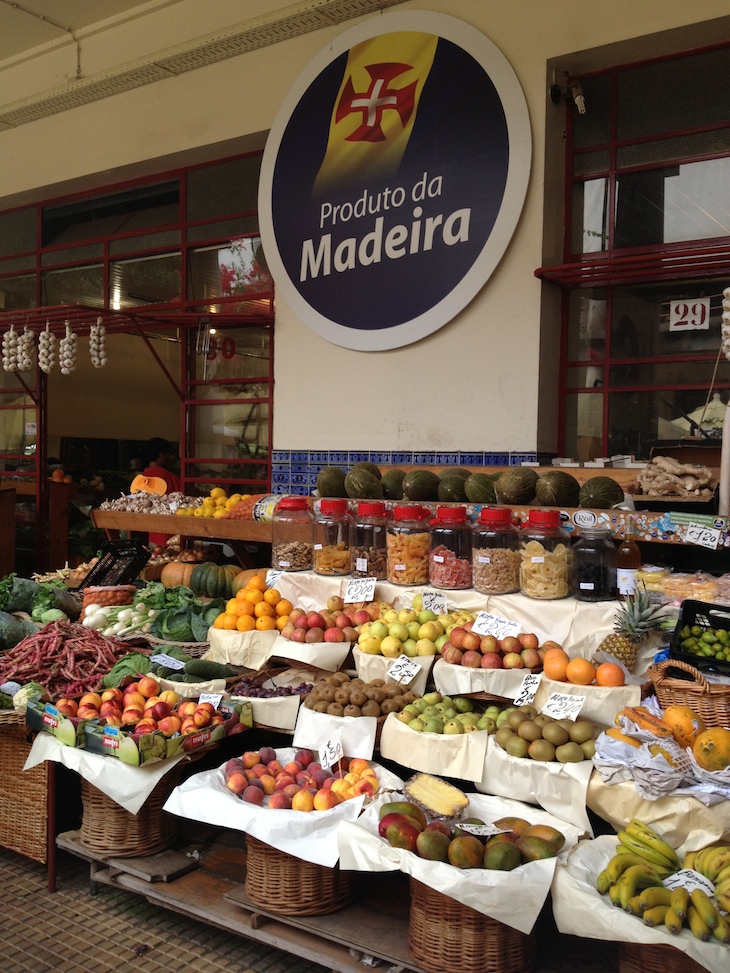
[(67, 351), (97, 350), (26, 348), (10, 350), (46, 349)]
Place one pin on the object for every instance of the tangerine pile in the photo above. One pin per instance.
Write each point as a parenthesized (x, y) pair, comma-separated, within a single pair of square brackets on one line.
[(255, 608), (558, 665)]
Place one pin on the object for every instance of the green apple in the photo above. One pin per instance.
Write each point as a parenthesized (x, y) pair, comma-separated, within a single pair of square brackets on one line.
[(453, 726), (425, 647), (378, 629), (364, 630), (413, 628), (391, 647), (417, 603), (390, 616), (440, 642), (398, 630), (371, 645), (426, 616), (409, 648), (407, 615), (445, 621)]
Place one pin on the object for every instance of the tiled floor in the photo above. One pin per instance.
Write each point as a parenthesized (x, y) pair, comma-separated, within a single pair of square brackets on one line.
[(116, 931)]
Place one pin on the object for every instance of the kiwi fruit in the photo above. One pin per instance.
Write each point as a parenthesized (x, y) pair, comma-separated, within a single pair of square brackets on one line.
[(358, 697), (503, 734), (352, 710), (309, 702), (335, 709), (320, 706), (569, 753), (332, 681), (371, 708), (388, 706), (515, 718), (326, 693), (581, 731), (529, 731), (516, 746), (342, 695), (377, 683)]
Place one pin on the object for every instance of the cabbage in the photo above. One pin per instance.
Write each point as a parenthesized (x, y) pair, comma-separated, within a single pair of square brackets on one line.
[(53, 615)]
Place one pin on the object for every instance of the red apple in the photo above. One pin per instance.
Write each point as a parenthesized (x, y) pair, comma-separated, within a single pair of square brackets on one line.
[(512, 660), (333, 635), (314, 635), (300, 621), (531, 659), (361, 616), (342, 621), (510, 644), (528, 640), (491, 660), (288, 630), (489, 643), (451, 654), (456, 636), (299, 635), (315, 620), (471, 642), (472, 659), (335, 603)]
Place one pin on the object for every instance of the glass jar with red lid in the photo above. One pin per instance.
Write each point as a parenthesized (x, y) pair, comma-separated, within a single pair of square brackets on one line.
[(495, 552), (368, 550), (331, 538), (408, 544), (449, 563), (291, 535), (545, 556)]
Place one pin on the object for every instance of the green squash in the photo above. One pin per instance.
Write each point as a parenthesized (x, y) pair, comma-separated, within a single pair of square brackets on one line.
[(479, 488), (214, 580), (451, 489), (360, 484), (392, 482), (370, 467)]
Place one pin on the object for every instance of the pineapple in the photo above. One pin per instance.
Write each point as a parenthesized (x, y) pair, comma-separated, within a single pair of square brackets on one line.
[(438, 799), (636, 619)]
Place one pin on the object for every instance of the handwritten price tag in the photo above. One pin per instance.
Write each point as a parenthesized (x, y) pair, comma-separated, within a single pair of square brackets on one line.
[(272, 577), (481, 830), (563, 706), (702, 536), (330, 753), (689, 879), (528, 689), (167, 660), (359, 589), (434, 601), (213, 698), (487, 624), (404, 669)]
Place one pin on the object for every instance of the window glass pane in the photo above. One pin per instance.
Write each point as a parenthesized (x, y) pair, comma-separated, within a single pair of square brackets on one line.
[(667, 96), (669, 150), (232, 430), (593, 127), (587, 163), (75, 285), (17, 231), (583, 378), (10, 264), (148, 280), (590, 216), (148, 242), (222, 189), (234, 353), (245, 476), (638, 421), (17, 412), (675, 203), (17, 292), (671, 373), (228, 270), (94, 251), (587, 325), (224, 229), (583, 425)]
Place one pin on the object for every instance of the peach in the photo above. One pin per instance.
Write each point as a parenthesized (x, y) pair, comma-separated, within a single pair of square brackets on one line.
[(87, 712), (320, 777), (237, 783), (67, 707), (113, 719), (115, 693), (170, 697), (351, 778), (358, 765), (313, 767), (158, 710), (169, 725), (250, 758), (274, 768), (250, 773), (144, 728), (201, 717), (280, 800), (253, 795), (208, 707), (260, 770), (268, 783), (293, 768), (149, 687), (135, 699), (217, 719), (323, 800), (342, 787), (302, 801), (305, 780), (188, 725), (91, 699), (283, 780), (232, 765), (304, 757), (187, 707), (365, 786), (291, 789), (131, 714), (109, 706)]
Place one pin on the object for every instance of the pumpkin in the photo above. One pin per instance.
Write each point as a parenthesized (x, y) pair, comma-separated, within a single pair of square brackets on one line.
[(711, 749), (684, 723), (243, 578), (148, 484), (176, 573), (213, 580)]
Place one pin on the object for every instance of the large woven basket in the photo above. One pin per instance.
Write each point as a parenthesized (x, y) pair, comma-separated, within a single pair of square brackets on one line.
[(111, 831), (445, 936), (637, 958), (288, 886), (711, 701), (24, 805)]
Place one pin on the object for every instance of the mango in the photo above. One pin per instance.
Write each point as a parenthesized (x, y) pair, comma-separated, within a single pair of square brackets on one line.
[(535, 849), (466, 851), (555, 837), (433, 846), (518, 825), (403, 807), (394, 818), (502, 855), (404, 834)]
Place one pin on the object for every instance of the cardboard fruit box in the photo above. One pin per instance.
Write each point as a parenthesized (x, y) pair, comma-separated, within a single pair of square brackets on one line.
[(68, 730)]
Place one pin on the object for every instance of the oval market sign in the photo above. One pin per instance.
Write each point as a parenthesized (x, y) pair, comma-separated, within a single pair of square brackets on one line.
[(393, 178)]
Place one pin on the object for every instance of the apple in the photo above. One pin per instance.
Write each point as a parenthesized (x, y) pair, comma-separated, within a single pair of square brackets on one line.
[(473, 659), (315, 620), (510, 644), (471, 642), (391, 647), (528, 640), (513, 660), (361, 617), (369, 645), (430, 630), (333, 635), (451, 654), (489, 644), (531, 659), (349, 633), (491, 660), (456, 636), (425, 646), (335, 603), (287, 630), (301, 621), (314, 635), (299, 634), (343, 621), (378, 629)]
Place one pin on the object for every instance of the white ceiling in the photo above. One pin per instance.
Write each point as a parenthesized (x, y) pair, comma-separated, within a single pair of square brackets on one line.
[(25, 24)]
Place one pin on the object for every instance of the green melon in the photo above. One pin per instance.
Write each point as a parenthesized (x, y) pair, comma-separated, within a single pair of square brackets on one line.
[(331, 482), (479, 488), (455, 471), (600, 492), (516, 486), (360, 484), (557, 489), (451, 489), (420, 485), (370, 467), (392, 483)]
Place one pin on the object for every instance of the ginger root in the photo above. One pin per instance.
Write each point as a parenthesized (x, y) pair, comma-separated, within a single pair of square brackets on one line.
[(665, 477)]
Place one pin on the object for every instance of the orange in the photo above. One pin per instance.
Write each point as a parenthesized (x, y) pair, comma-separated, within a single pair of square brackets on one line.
[(245, 623), (256, 583), (245, 608), (281, 622), (218, 621), (555, 666), (265, 624), (232, 605), (254, 596), (272, 596), (263, 609), (229, 622), (580, 672), (556, 651), (284, 607), (609, 674)]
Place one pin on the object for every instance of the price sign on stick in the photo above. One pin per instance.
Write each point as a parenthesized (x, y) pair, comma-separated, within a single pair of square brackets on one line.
[(167, 660), (487, 624), (434, 601), (481, 830), (213, 698), (688, 878), (330, 753), (403, 670), (272, 577), (528, 689), (359, 589), (563, 706)]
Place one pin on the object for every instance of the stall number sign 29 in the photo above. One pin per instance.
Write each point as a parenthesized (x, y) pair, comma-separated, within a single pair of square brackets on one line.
[(690, 315)]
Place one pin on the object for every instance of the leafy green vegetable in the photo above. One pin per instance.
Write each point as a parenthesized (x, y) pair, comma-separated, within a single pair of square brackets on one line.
[(53, 615), (6, 702), (133, 664), (17, 594), (156, 595), (14, 630)]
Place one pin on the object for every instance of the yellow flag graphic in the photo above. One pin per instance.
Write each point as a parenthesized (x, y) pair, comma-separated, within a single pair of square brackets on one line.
[(376, 107)]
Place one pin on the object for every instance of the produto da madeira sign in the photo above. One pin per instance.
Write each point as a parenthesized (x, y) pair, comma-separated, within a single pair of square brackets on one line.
[(393, 179)]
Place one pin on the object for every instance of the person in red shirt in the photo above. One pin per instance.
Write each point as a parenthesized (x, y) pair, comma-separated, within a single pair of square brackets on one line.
[(161, 456)]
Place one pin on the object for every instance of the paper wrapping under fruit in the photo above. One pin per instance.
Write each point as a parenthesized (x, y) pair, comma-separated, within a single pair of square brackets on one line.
[(579, 910), (126, 785), (514, 898), (558, 788), (682, 820), (462, 754), (194, 689), (355, 733), (277, 712), (578, 626), (602, 703), (371, 667), (310, 836), (453, 680), (249, 649)]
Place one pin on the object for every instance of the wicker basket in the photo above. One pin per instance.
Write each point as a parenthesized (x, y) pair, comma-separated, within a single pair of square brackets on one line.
[(24, 806), (288, 886), (445, 936), (710, 701), (636, 958), (111, 831)]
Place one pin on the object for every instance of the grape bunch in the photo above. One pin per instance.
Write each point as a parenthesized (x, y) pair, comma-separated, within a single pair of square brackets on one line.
[(247, 687)]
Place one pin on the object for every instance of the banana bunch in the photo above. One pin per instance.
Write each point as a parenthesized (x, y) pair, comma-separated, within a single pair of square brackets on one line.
[(714, 863), (642, 861)]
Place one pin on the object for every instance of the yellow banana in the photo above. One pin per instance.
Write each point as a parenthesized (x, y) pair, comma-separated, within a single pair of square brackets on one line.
[(614, 894), (700, 929), (602, 882), (655, 915), (705, 907), (703, 856), (723, 901), (644, 851), (723, 875), (673, 922), (715, 862), (619, 863), (634, 905), (721, 932), (633, 880), (655, 895), (646, 834), (689, 859), (680, 902)]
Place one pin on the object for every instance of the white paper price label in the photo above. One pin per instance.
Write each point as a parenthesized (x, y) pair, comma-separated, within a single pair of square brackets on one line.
[(487, 624), (434, 601), (272, 577), (480, 830), (403, 670), (330, 753), (167, 660), (563, 706), (702, 536), (359, 589), (689, 879), (213, 698), (528, 689)]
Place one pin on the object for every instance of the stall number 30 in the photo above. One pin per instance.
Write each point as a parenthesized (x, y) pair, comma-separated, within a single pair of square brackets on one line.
[(225, 347), (684, 316)]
